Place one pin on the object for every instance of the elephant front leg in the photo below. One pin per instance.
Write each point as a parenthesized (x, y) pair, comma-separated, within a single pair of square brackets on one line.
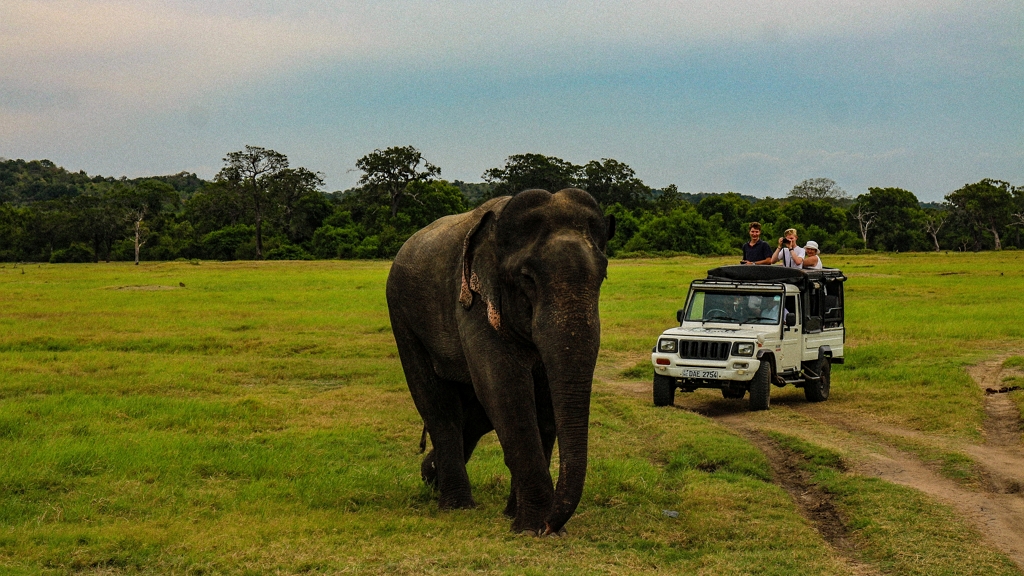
[(511, 409), (546, 427)]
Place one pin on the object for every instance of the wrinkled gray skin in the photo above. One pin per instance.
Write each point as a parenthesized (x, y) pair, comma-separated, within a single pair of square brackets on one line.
[(495, 313)]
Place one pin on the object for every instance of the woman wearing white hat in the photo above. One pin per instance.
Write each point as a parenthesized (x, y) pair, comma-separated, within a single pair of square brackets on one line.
[(811, 259)]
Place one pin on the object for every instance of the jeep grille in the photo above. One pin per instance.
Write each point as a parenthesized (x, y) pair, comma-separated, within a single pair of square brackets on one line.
[(704, 349)]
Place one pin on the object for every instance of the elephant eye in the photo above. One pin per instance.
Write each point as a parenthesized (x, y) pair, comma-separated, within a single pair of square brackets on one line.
[(527, 275)]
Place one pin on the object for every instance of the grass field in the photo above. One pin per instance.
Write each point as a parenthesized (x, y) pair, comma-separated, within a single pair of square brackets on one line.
[(253, 418)]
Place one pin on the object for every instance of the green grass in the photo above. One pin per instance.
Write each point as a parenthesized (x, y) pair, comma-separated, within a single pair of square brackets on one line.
[(256, 420), (1014, 362)]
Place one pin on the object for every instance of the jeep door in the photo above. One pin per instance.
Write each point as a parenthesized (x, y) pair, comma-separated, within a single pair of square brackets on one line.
[(791, 353)]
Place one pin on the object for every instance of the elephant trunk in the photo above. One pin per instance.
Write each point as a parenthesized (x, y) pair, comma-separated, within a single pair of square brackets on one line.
[(569, 343)]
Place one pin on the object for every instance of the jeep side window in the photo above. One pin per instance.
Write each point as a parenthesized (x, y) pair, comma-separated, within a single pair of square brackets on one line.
[(833, 304), (790, 306), (812, 320)]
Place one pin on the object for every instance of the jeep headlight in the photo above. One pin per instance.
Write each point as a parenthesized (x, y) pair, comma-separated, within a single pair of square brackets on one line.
[(743, 349), (667, 345)]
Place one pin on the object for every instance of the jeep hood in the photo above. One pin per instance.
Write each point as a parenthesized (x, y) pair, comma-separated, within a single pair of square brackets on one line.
[(745, 332)]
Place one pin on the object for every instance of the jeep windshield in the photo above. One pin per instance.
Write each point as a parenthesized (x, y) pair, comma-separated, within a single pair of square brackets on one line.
[(734, 307)]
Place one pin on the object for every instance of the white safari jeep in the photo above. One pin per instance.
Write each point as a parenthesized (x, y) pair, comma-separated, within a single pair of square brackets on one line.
[(745, 328)]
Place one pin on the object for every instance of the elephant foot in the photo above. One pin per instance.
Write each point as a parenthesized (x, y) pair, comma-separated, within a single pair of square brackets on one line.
[(536, 526), (554, 533), (544, 533), (455, 502)]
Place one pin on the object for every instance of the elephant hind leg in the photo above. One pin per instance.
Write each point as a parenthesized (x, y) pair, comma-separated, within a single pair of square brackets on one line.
[(440, 405), (428, 470)]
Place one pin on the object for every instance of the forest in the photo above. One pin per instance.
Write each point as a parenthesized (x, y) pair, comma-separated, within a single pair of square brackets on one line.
[(260, 207)]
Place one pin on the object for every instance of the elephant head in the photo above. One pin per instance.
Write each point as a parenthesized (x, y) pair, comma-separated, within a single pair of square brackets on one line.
[(536, 266)]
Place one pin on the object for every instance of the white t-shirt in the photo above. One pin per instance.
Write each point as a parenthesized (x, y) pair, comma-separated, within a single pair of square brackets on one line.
[(787, 258), (817, 265)]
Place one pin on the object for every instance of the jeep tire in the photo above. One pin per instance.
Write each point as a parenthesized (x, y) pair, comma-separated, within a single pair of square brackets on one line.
[(664, 390), (817, 389), (761, 386)]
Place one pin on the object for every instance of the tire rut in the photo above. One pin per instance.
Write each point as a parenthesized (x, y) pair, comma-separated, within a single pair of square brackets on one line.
[(1003, 425), (816, 505)]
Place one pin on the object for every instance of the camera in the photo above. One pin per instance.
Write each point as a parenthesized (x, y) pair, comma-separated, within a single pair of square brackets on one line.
[(785, 242)]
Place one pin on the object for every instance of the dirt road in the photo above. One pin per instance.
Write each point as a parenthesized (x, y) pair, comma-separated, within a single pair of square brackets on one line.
[(993, 500)]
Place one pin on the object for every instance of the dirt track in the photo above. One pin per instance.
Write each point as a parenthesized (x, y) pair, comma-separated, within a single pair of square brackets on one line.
[(995, 504)]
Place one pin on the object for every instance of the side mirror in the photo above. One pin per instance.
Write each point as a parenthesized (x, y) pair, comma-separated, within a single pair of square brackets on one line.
[(790, 319), (679, 315)]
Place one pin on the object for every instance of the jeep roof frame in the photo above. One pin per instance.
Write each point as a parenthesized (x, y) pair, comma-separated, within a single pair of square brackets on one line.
[(746, 274)]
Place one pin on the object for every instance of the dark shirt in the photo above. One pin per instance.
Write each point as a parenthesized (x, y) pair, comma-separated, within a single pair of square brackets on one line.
[(757, 252)]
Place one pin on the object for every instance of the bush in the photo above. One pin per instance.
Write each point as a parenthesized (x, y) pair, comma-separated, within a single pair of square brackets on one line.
[(336, 242), (236, 242), (682, 231), (288, 252), (76, 253)]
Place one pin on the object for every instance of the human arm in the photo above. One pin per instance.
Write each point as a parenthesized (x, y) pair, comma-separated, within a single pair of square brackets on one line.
[(777, 255), (798, 255), (810, 261)]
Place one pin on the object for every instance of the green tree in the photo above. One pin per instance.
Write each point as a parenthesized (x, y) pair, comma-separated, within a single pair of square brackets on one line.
[(389, 172), (819, 189), (299, 205), (434, 200), (612, 182), (897, 218), (733, 209), (988, 206), (251, 173), (682, 230), (669, 199), (528, 171)]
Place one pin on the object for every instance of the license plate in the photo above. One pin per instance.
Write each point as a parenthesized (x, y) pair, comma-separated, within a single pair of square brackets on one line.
[(704, 374)]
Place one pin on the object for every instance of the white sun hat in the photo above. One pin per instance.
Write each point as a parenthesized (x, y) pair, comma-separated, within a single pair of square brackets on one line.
[(811, 244)]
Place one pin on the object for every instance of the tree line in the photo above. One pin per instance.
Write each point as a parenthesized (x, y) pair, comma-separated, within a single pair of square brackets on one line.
[(260, 207)]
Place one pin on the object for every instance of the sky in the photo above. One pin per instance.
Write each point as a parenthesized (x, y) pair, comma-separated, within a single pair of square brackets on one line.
[(749, 96)]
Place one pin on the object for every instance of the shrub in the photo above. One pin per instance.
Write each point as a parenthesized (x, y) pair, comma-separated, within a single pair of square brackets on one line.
[(76, 253), (230, 243), (288, 252)]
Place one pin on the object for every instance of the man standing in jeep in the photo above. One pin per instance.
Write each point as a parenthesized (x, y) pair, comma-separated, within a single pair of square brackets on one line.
[(756, 251)]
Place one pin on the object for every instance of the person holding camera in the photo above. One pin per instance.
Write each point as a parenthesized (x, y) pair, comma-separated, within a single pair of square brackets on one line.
[(789, 253)]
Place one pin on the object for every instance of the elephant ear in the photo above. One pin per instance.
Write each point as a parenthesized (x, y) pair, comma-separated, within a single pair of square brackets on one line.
[(611, 231), (475, 259)]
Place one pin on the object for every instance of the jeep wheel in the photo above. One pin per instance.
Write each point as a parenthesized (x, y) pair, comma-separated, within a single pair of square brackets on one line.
[(816, 390), (761, 387), (733, 393), (664, 390)]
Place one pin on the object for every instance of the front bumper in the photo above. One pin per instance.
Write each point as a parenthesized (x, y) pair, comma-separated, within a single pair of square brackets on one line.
[(738, 369)]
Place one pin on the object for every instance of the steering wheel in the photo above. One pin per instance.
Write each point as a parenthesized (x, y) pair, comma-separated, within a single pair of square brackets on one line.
[(716, 312)]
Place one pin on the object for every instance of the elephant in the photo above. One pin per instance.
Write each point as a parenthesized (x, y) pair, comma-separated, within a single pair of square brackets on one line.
[(495, 315)]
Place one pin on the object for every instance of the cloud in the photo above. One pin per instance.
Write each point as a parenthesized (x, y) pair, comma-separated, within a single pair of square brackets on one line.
[(158, 52)]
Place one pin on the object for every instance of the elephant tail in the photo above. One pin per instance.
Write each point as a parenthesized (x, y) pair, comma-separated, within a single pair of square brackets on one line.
[(423, 440)]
